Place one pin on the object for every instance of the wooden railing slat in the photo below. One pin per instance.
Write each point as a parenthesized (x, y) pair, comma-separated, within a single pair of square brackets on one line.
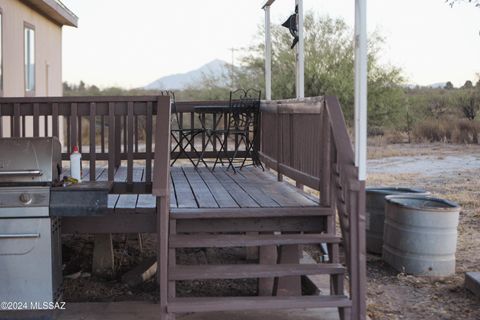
[(136, 133), (15, 123), (55, 120), (73, 126), (192, 126), (93, 135), (36, 120), (148, 143), (102, 133), (124, 127), (45, 126), (24, 126), (130, 143), (111, 141), (80, 133), (1, 122), (118, 139)]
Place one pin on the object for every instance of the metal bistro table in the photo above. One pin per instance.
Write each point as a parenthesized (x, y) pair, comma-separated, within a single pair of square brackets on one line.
[(213, 134), (219, 113)]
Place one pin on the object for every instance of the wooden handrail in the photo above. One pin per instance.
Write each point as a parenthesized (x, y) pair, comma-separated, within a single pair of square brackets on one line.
[(339, 130), (307, 140), (351, 203)]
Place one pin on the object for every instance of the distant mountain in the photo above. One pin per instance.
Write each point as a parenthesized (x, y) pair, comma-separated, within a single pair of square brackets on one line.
[(216, 68), (438, 85)]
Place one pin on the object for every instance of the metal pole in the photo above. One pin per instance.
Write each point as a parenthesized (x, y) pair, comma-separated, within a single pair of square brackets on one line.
[(232, 75), (268, 55), (361, 88), (300, 53)]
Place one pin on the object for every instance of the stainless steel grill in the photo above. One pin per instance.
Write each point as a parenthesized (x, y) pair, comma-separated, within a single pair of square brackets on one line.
[(30, 246)]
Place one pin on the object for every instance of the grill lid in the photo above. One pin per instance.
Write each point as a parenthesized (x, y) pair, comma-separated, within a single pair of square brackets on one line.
[(30, 160)]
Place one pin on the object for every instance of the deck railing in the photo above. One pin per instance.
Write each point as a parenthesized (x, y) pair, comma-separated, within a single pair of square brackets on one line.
[(307, 141), (115, 129)]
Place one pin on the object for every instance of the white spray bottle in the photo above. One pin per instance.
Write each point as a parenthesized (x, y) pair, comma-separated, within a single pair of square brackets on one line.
[(76, 164)]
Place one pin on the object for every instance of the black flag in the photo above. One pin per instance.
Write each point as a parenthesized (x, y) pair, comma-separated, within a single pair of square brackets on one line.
[(291, 25)]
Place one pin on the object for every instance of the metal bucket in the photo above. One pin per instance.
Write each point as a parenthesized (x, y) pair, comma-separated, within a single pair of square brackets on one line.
[(375, 216), (421, 235)]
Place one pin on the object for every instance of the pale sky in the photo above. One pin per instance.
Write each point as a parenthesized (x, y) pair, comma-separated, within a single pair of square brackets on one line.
[(132, 43)]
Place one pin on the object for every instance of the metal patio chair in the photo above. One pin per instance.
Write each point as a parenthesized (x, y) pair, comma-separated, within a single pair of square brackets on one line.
[(183, 138), (242, 125)]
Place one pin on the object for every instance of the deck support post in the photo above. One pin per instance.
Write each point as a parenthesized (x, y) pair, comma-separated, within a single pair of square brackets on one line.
[(267, 255), (163, 255), (252, 253), (291, 285), (103, 260)]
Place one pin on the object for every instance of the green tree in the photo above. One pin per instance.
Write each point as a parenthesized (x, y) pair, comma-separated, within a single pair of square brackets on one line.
[(329, 69), (469, 103), (468, 85), (449, 86)]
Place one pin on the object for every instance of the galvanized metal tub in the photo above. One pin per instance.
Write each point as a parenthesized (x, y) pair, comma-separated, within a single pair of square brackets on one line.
[(375, 216), (420, 235)]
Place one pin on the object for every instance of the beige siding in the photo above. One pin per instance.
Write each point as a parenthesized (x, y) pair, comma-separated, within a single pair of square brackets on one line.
[(48, 52)]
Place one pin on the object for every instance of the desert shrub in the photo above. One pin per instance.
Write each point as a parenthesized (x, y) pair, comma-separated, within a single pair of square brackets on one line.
[(374, 131), (466, 131), (396, 136), (428, 130), (447, 130)]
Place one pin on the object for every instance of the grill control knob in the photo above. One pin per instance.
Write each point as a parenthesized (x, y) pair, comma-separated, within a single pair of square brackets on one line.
[(25, 198)]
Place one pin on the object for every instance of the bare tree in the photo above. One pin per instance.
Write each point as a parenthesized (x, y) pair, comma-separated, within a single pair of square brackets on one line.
[(453, 2)]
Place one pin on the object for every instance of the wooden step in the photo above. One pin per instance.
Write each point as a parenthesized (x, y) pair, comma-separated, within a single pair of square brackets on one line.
[(184, 305), (224, 241), (232, 213), (243, 271)]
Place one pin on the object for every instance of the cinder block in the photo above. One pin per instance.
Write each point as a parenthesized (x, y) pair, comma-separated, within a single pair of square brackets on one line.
[(472, 282)]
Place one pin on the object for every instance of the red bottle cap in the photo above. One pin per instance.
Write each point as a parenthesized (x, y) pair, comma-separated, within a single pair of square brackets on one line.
[(75, 149)]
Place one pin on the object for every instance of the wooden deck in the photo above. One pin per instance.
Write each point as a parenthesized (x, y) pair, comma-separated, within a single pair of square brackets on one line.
[(306, 141), (193, 189)]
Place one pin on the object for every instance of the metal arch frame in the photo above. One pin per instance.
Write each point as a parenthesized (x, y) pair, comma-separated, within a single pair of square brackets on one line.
[(360, 74)]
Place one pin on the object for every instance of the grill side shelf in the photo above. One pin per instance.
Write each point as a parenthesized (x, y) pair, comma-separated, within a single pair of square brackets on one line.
[(82, 199)]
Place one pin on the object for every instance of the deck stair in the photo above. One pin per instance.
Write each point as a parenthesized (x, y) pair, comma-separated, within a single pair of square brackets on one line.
[(279, 229)]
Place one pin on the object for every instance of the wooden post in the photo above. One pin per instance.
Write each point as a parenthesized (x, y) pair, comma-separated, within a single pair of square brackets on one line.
[(267, 255), (103, 261), (252, 253), (161, 189), (291, 285), (118, 140)]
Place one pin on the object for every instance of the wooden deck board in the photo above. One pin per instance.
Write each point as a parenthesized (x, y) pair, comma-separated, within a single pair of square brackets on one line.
[(254, 189), (242, 198), (223, 198), (202, 189), (282, 192), (185, 197)]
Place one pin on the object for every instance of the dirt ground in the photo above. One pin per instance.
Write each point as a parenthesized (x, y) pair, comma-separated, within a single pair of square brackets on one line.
[(448, 171), (393, 295)]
